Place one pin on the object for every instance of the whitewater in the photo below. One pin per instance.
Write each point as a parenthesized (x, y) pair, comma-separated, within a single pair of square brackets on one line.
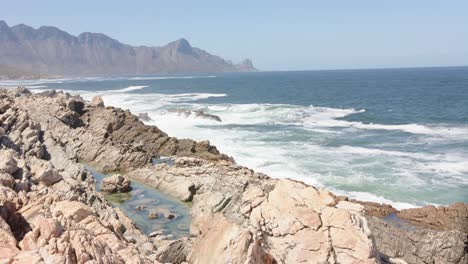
[(365, 150)]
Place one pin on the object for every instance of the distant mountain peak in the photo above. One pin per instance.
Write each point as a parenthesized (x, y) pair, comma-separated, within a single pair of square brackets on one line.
[(52, 51), (3, 24), (182, 45), (52, 32), (246, 65)]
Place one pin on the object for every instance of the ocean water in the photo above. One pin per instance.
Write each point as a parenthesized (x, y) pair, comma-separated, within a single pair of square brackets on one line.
[(152, 201), (398, 136)]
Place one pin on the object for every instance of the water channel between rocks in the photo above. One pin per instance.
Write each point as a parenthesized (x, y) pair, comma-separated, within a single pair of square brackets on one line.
[(141, 200)]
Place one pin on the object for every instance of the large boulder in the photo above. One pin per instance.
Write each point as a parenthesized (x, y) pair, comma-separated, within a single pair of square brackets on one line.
[(116, 183), (7, 180), (44, 172), (97, 101), (144, 117), (418, 245), (452, 217), (8, 162)]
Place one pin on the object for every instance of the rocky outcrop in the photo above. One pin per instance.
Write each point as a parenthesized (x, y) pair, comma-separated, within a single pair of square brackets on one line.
[(420, 235), (109, 138), (144, 117), (254, 218), (95, 101), (195, 114), (444, 218), (115, 183), (50, 211), (418, 245)]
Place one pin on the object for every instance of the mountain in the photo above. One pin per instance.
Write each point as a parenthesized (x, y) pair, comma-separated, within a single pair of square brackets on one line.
[(51, 51)]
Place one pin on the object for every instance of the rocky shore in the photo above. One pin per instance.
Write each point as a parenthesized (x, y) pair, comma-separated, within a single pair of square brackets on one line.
[(51, 212)]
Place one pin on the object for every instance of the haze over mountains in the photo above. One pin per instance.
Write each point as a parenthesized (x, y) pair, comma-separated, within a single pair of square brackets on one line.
[(51, 51)]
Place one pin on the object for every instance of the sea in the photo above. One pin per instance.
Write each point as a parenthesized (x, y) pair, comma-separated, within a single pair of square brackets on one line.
[(397, 136)]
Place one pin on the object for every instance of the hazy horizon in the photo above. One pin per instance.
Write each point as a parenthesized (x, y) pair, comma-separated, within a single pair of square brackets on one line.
[(277, 36)]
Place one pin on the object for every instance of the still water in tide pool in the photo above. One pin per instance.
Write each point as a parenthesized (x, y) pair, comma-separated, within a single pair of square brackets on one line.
[(152, 201)]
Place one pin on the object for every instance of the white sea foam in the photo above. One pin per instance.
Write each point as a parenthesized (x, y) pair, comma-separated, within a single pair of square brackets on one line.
[(279, 154), (128, 89), (36, 86), (374, 151), (365, 196), (170, 77)]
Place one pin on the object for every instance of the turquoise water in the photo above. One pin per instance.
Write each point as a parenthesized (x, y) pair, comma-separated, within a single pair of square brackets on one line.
[(398, 136), (152, 201)]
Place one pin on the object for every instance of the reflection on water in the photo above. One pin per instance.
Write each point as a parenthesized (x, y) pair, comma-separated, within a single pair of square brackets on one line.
[(142, 200)]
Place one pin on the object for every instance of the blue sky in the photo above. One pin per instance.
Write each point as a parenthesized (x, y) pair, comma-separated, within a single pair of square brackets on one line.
[(276, 35)]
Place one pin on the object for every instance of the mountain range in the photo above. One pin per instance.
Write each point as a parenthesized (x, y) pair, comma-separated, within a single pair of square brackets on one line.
[(51, 51)]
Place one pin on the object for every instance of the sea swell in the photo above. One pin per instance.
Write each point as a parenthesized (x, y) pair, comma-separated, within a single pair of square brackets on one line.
[(401, 164)]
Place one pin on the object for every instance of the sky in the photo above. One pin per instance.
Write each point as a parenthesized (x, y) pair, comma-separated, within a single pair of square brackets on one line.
[(276, 35)]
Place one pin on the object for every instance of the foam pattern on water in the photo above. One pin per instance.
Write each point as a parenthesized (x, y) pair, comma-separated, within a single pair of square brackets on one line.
[(407, 165)]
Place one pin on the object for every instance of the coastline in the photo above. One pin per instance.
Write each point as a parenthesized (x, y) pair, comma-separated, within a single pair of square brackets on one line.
[(268, 216)]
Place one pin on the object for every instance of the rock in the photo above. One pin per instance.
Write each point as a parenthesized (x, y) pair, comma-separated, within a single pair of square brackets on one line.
[(8, 242), (77, 106), (116, 183), (418, 245), (240, 216), (140, 207), (376, 209), (156, 233), (207, 116), (8, 162), (225, 242), (443, 218), (54, 214), (144, 117), (97, 101), (196, 114), (175, 251), (170, 216), (153, 215), (44, 172), (7, 180)]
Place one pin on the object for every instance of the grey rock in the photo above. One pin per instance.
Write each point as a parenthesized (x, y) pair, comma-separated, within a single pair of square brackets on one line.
[(419, 245), (196, 114), (144, 117)]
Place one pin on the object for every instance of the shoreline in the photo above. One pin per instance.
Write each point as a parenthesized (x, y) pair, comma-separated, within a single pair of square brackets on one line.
[(266, 216)]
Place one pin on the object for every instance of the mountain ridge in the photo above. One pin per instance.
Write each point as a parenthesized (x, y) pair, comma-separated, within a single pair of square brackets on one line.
[(49, 50)]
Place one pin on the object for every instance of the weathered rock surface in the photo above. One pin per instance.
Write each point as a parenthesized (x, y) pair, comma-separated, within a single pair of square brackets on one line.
[(452, 217), (420, 235), (95, 101), (247, 217), (144, 117), (419, 245), (109, 138), (116, 183), (50, 211), (196, 114)]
